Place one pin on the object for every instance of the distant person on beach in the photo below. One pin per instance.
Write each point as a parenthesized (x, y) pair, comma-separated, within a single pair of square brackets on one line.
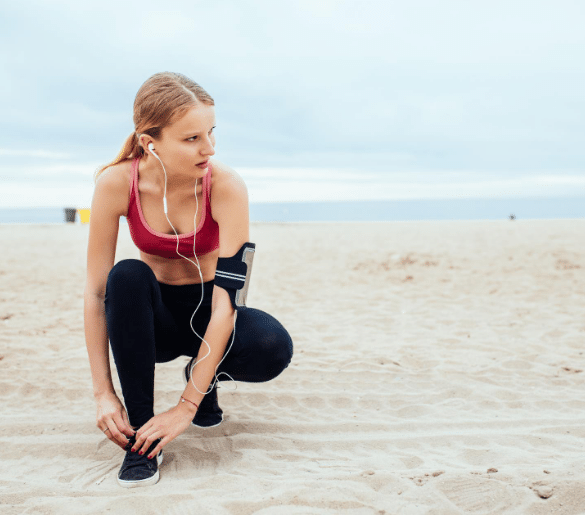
[(188, 216)]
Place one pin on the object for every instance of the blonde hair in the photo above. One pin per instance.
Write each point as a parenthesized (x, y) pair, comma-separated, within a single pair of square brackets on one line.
[(162, 99)]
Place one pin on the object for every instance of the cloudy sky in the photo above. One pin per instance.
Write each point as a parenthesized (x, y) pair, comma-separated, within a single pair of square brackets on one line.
[(315, 100)]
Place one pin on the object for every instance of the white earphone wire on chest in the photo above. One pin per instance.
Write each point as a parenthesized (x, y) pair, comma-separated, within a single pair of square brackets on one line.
[(197, 265)]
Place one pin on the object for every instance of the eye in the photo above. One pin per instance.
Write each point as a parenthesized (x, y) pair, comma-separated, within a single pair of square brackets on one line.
[(192, 138)]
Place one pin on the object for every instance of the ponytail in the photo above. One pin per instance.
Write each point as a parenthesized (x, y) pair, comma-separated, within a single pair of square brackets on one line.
[(130, 149)]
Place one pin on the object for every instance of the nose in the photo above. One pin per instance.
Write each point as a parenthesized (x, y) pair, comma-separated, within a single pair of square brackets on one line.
[(208, 149)]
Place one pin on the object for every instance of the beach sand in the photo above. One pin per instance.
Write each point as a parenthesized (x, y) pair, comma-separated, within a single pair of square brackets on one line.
[(439, 368)]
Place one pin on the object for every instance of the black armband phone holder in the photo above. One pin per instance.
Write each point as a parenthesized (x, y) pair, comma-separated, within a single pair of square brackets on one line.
[(233, 274)]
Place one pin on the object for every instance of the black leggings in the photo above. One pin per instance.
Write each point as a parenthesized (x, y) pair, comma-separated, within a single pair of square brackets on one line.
[(148, 323)]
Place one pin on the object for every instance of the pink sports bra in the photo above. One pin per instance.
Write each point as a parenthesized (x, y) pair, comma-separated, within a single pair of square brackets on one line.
[(165, 245)]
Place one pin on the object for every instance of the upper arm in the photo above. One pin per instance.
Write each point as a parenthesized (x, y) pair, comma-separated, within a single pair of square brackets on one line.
[(110, 201), (229, 208)]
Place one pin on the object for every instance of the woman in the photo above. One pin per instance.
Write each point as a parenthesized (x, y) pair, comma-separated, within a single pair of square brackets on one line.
[(186, 212)]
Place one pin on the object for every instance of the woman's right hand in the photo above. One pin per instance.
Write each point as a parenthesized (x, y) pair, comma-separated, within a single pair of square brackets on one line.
[(111, 415)]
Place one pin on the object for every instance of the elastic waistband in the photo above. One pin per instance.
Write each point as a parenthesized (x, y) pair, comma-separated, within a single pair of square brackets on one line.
[(188, 292)]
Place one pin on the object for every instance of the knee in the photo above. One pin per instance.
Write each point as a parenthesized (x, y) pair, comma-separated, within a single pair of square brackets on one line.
[(282, 349), (272, 341), (129, 276)]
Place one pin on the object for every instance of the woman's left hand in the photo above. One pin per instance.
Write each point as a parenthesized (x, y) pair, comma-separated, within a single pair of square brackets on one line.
[(166, 426)]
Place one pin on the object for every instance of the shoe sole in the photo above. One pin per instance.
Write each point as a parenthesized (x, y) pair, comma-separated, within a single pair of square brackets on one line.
[(208, 427), (144, 482), (193, 423)]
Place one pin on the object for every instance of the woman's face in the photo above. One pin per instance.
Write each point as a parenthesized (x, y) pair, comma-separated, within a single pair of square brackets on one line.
[(189, 141)]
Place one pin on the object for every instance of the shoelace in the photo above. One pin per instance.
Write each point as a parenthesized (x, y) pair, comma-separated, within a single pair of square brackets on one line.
[(133, 458)]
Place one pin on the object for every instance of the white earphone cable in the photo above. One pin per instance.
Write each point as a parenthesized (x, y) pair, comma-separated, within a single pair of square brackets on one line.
[(197, 265)]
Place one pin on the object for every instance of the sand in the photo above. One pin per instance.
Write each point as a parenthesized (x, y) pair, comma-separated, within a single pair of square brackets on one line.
[(438, 368)]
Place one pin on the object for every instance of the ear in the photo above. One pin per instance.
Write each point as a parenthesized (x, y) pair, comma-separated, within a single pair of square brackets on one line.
[(144, 140)]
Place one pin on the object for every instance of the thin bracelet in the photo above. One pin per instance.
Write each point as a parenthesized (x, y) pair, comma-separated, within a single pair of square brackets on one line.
[(183, 400)]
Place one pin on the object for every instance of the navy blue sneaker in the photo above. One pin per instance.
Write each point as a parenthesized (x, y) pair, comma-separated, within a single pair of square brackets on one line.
[(209, 414), (138, 470)]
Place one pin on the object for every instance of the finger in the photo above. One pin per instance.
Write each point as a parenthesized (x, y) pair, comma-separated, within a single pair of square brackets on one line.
[(143, 429), (159, 447), (141, 436), (121, 426), (115, 434), (130, 431), (150, 439), (108, 433)]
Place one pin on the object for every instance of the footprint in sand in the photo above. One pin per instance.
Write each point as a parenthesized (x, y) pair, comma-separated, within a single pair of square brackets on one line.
[(480, 494)]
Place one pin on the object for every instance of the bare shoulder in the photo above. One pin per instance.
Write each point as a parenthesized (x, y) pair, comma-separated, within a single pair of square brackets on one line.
[(113, 186), (226, 183), (229, 205), (116, 175)]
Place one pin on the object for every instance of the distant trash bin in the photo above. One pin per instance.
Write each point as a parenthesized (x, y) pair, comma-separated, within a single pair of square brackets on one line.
[(70, 213), (84, 215)]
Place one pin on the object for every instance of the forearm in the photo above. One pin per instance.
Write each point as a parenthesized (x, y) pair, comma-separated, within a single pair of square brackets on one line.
[(96, 339), (217, 335)]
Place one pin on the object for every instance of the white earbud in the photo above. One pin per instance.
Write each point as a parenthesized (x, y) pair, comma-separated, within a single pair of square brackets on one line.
[(151, 147)]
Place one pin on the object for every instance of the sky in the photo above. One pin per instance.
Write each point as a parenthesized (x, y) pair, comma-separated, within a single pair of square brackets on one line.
[(315, 100)]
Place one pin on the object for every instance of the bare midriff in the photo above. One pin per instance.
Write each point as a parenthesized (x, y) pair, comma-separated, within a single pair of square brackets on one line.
[(181, 271)]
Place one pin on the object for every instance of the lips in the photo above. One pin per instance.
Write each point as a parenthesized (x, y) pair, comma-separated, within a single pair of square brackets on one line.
[(204, 164)]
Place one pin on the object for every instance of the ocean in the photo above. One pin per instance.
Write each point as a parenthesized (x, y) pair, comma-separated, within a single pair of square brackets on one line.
[(369, 211)]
